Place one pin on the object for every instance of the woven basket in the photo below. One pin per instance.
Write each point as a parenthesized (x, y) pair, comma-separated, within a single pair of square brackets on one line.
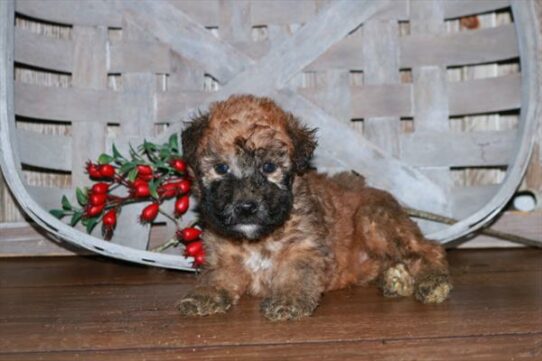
[(373, 76)]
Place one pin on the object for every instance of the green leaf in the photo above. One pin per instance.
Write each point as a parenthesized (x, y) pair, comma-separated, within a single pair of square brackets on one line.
[(127, 167), (116, 153), (105, 159), (58, 213), (164, 153), (66, 204), (91, 223), (76, 218), (82, 197), (132, 174), (173, 142), (152, 189), (134, 154)]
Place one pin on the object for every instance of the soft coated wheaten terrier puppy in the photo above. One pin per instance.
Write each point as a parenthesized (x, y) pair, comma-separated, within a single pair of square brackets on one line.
[(277, 229)]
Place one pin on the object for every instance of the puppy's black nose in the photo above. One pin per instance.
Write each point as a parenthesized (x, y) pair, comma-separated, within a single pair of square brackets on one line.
[(246, 208)]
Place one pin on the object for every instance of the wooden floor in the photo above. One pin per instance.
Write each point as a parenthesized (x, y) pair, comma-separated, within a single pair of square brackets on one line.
[(96, 309)]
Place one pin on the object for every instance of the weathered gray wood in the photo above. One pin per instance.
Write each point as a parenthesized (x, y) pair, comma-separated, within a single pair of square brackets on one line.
[(90, 71), (485, 95), (271, 12), (453, 49), (429, 91), (67, 104), (129, 56), (469, 47), (86, 13), (467, 200), (45, 151), (458, 8), (57, 54), (447, 149), (235, 20), (379, 52), (395, 99), (43, 52), (186, 37)]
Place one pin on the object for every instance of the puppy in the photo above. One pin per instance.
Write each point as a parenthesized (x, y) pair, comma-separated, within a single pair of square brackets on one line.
[(275, 228)]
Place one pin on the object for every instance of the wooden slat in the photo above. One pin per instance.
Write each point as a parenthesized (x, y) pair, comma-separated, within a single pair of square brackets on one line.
[(45, 150), (493, 296), (462, 48), (57, 54), (380, 54), (430, 91), (42, 51), (446, 149), (89, 13), (89, 72), (139, 56), (491, 95), (73, 104), (458, 8), (453, 49)]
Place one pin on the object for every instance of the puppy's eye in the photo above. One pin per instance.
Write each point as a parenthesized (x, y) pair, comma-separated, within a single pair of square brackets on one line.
[(269, 167), (221, 168)]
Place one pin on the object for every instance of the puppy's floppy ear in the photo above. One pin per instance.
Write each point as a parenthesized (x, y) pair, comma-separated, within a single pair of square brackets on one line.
[(304, 141), (191, 137)]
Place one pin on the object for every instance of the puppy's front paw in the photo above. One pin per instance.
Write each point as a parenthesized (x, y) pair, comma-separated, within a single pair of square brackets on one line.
[(434, 288), (203, 302), (287, 308)]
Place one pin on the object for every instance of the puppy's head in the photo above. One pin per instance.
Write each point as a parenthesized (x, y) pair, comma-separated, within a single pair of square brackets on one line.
[(244, 155)]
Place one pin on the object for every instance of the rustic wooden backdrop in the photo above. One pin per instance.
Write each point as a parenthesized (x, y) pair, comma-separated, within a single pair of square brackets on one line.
[(138, 67)]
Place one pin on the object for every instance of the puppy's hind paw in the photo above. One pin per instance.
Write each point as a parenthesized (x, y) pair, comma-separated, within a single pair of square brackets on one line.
[(396, 281), (434, 288), (285, 308), (203, 302)]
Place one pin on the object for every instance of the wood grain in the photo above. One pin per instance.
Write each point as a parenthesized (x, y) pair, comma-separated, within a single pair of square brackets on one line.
[(91, 308)]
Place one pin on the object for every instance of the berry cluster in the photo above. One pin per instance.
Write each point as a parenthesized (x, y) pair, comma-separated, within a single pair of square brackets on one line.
[(152, 175)]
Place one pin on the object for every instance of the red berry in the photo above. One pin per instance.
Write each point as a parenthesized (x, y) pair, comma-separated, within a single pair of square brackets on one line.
[(149, 213), (193, 249), (184, 186), (100, 188), (181, 205), (179, 165), (189, 234), (144, 169), (93, 170), (168, 190), (199, 259), (141, 189), (97, 199), (145, 172), (107, 170), (93, 211), (110, 219)]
